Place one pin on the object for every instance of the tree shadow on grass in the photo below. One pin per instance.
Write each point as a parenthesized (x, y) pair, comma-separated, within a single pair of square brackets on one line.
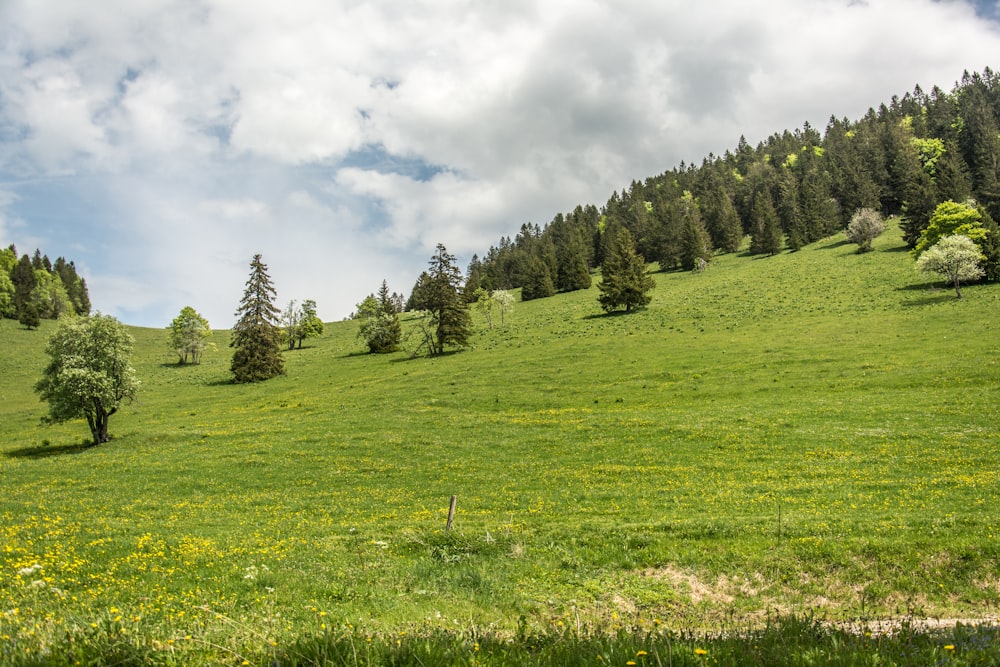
[(613, 313), (931, 295), (48, 451), (833, 244)]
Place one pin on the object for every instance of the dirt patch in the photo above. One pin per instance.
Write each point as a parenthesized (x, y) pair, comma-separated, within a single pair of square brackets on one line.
[(696, 589)]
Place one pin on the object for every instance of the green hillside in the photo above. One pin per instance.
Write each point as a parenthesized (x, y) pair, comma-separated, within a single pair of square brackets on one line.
[(816, 431)]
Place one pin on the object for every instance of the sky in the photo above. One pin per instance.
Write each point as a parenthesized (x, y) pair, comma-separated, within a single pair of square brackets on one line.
[(161, 144)]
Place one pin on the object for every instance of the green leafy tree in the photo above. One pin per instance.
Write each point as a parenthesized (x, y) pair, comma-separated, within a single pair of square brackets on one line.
[(310, 324), (256, 336), (624, 281), (380, 327), (189, 336), (484, 304), (7, 308), (88, 375), (450, 321), (955, 257), (865, 226), (951, 218), (50, 297)]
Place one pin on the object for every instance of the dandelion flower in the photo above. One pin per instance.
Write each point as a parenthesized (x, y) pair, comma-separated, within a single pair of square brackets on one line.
[(700, 651), (640, 653), (949, 647)]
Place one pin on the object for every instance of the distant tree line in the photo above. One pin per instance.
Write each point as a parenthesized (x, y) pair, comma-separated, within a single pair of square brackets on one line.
[(34, 288), (901, 159)]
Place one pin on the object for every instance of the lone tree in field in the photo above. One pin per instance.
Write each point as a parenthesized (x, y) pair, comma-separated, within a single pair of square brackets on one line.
[(865, 226), (957, 258), (624, 283), (441, 295), (88, 375), (256, 335), (189, 336)]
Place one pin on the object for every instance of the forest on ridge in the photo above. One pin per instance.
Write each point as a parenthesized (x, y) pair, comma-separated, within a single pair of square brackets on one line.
[(901, 159)]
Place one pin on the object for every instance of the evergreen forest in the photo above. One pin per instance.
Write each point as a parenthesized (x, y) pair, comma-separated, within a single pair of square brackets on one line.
[(901, 159)]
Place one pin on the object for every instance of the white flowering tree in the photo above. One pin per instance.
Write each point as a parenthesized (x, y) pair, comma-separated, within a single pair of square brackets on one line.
[(865, 226), (956, 257), (504, 300)]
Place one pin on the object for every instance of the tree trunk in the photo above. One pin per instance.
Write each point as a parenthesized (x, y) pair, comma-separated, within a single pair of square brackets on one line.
[(958, 291), (98, 423)]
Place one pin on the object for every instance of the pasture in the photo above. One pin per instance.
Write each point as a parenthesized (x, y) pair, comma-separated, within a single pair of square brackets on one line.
[(814, 433)]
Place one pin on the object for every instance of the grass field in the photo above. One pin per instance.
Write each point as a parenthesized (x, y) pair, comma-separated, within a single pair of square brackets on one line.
[(814, 433)]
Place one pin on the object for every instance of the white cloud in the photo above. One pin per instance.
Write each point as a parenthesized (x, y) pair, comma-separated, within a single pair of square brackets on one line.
[(207, 131)]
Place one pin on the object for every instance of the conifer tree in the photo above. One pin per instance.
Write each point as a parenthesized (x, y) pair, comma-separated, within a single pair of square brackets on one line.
[(537, 280), (256, 337), (624, 282), (380, 329), (765, 237), (450, 321), (695, 241)]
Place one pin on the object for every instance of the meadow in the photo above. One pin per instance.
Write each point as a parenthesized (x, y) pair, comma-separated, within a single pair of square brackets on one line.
[(808, 436)]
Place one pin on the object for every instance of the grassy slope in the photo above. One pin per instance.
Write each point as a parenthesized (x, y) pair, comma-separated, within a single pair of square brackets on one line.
[(813, 430)]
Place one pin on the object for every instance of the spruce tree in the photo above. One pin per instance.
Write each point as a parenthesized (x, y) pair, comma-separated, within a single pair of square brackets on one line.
[(765, 237), (380, 329), (256, 336), (451, 323), (695, 242), (624, 282), (537, 280)]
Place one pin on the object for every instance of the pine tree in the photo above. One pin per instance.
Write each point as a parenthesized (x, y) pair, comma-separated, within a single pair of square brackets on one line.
[(450, 323), (695, 242), (381, 330), (256, 336), (537, 281), (765, 236), (624, 282)]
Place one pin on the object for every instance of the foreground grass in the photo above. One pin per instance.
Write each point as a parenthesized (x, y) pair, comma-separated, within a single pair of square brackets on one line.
[(788, 641), (814, 431)]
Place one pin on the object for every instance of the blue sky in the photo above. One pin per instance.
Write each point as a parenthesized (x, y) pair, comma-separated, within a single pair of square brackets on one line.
[(162, 143)]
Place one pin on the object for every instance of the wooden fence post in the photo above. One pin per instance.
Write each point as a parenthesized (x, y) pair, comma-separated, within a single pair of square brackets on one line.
[(451, 512)]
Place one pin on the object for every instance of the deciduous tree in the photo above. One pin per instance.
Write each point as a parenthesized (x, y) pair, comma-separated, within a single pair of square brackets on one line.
[(955, 257), (88, 374), (504, 299), (189, 336), (865, 226), (310, 324)]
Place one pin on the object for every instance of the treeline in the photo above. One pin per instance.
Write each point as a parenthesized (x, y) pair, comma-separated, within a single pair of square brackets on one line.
[(901, 159), (35, 288)]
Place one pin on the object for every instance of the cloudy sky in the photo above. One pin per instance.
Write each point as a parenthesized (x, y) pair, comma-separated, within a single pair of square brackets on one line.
[(162, 143)]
